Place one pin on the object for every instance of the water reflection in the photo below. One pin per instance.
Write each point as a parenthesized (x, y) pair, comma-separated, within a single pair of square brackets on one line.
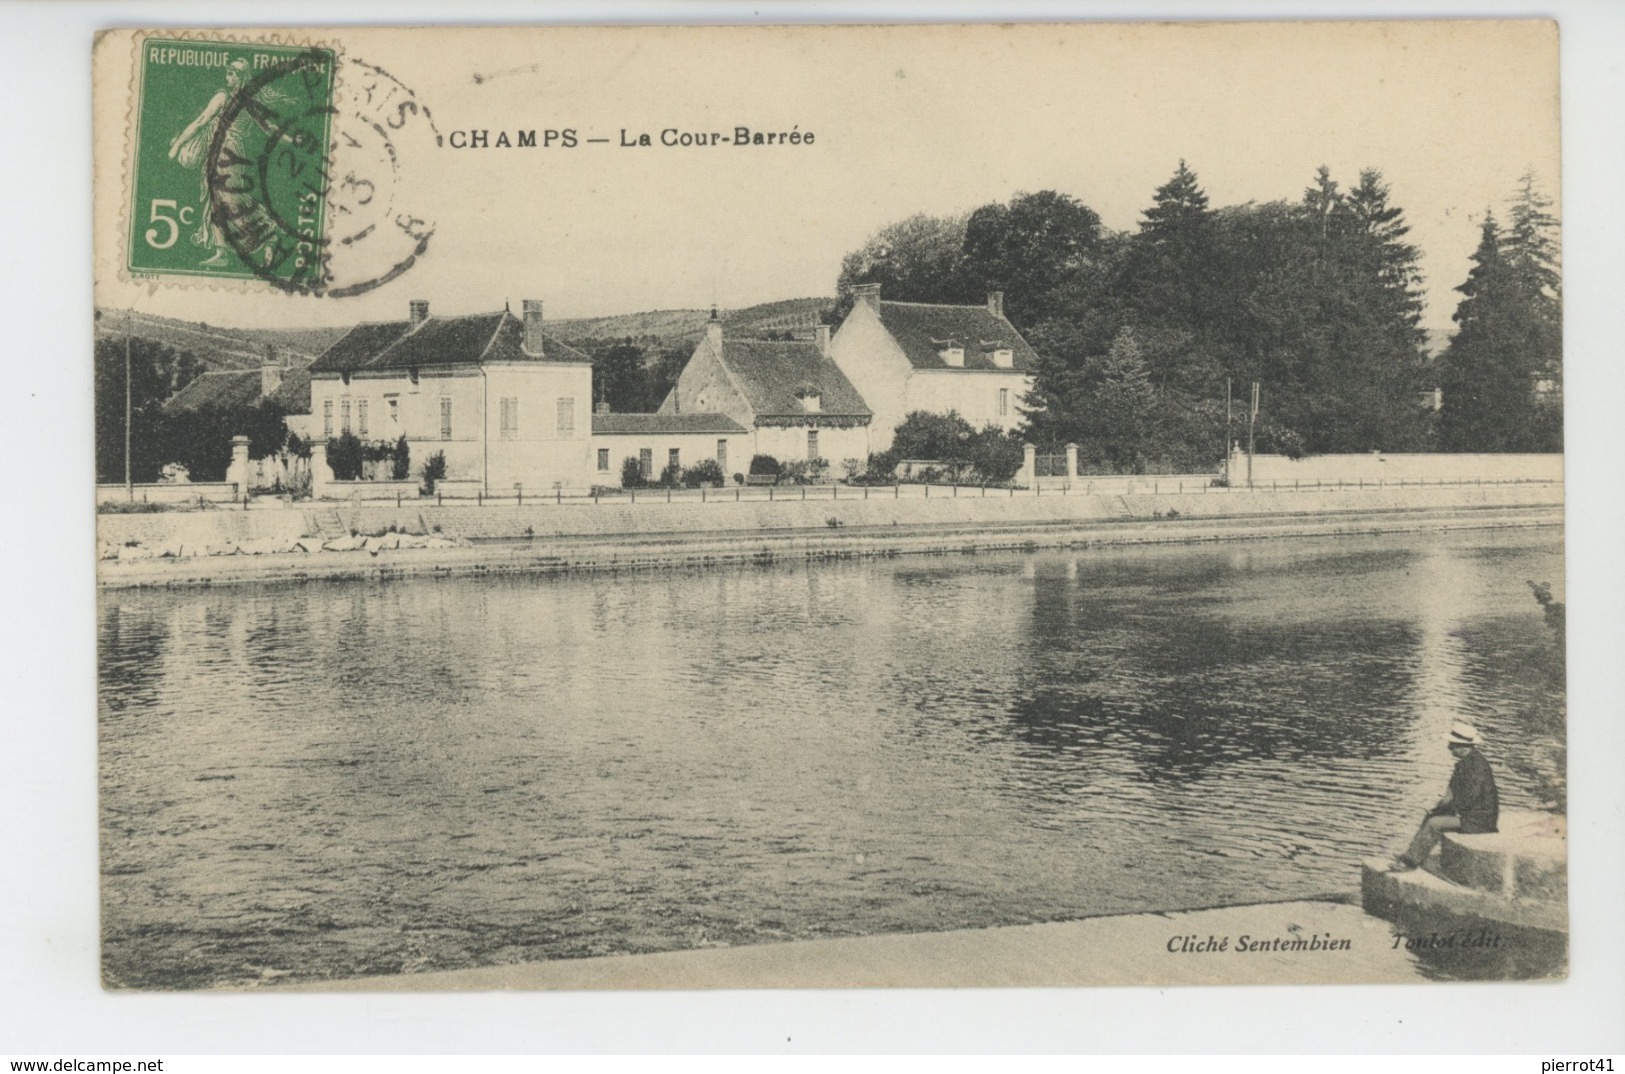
[(341, 779)]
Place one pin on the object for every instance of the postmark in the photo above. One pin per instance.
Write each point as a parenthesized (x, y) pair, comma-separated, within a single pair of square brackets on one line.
[(275, 164)]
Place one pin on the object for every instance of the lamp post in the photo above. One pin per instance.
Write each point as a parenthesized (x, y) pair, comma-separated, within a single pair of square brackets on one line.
[(1252, 420)]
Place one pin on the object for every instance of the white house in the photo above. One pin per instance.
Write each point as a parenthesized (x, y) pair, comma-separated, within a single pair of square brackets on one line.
[(907, 356), (507, 403), (657, 441)]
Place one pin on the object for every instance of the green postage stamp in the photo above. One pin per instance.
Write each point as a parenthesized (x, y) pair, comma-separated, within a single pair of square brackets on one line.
[(231, 163)]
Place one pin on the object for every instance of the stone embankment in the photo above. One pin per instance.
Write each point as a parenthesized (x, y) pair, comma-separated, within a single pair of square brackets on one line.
[(321, 541), (1498, 899)]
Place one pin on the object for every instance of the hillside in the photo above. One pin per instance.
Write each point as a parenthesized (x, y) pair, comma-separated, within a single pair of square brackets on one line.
[(666, 328), (246, 348), (217, 347)]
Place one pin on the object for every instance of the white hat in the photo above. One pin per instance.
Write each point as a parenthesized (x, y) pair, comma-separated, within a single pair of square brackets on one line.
[(1463, 734)]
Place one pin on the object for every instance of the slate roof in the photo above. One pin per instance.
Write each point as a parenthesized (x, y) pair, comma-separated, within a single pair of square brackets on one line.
[(294, 391), (920, 329), (230, 388), (773, 376), (625, 424), (439, 341)]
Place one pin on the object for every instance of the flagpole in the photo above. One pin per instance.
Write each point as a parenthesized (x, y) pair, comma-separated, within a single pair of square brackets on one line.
[(129, 486)]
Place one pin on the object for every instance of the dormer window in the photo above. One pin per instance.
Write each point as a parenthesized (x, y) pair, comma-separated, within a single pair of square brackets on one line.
[(1004, 357), (951, 351), (811, 401)]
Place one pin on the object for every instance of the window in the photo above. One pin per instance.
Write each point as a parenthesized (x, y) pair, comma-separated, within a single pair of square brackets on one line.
[(445, 417), (392, 408), (812, 444), (646, 461), (327, 419), (671, 459), (1004, 401), (361, 417), (1004, 357), (344, 415), (722, 456), (603, 460), (567, 417), (812, 402), (510, 418)]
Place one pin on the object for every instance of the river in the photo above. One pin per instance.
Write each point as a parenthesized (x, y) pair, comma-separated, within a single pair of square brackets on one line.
[(336, 779)]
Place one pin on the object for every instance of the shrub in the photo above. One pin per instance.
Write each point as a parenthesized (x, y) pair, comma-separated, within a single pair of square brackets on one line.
[(704, 472), (804, 471), (739, 479), (345, 455), (401, 460), (434, 470), (631, 473), (878, 469), (854, 469), (671, 476), (764, 466)]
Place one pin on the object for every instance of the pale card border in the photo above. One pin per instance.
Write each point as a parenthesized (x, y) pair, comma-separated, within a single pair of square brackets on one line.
[(50, 1001)]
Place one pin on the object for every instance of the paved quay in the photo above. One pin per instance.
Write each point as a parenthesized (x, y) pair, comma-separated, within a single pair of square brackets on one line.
[(1271, 943)]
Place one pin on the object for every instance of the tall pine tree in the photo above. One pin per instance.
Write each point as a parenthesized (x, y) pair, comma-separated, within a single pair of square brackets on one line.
[(1502, 373)]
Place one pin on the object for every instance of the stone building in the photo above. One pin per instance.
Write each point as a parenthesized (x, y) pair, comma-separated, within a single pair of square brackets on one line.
[(791, 396)]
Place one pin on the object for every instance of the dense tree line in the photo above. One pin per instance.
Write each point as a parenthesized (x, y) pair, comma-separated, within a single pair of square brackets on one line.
[(200, 440), (633, 380), (1319, 300)]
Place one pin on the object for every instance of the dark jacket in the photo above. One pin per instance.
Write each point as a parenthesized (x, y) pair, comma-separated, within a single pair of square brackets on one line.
[(1472, 795)]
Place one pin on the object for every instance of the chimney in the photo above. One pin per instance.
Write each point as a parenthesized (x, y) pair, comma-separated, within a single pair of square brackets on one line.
[(821, 334), (270, 371), (713, 330), (531, 308), (419, 308), (995, 303), (867, 294)]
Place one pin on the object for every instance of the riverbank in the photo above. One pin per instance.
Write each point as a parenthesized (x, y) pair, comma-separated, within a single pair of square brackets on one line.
[(1302, 942), (549, 538)]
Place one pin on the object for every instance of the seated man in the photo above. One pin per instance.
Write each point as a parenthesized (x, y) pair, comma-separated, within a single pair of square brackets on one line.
[(1470, 805)]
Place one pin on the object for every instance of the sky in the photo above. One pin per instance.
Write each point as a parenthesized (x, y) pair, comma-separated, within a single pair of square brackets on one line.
[(905, 120)]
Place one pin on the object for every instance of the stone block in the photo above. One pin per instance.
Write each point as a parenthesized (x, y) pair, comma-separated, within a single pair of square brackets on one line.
[(1527, 858)]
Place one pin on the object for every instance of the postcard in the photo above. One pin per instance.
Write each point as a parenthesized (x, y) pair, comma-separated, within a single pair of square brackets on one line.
[(830, 506)]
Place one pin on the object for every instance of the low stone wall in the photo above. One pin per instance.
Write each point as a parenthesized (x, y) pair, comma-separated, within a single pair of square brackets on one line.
[(169, 492), (619, 519), (1378, 467), (372, 490)]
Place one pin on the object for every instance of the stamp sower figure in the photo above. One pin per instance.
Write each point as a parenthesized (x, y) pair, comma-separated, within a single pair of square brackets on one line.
[(1470, 805), (191, 146), (188, 150)]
